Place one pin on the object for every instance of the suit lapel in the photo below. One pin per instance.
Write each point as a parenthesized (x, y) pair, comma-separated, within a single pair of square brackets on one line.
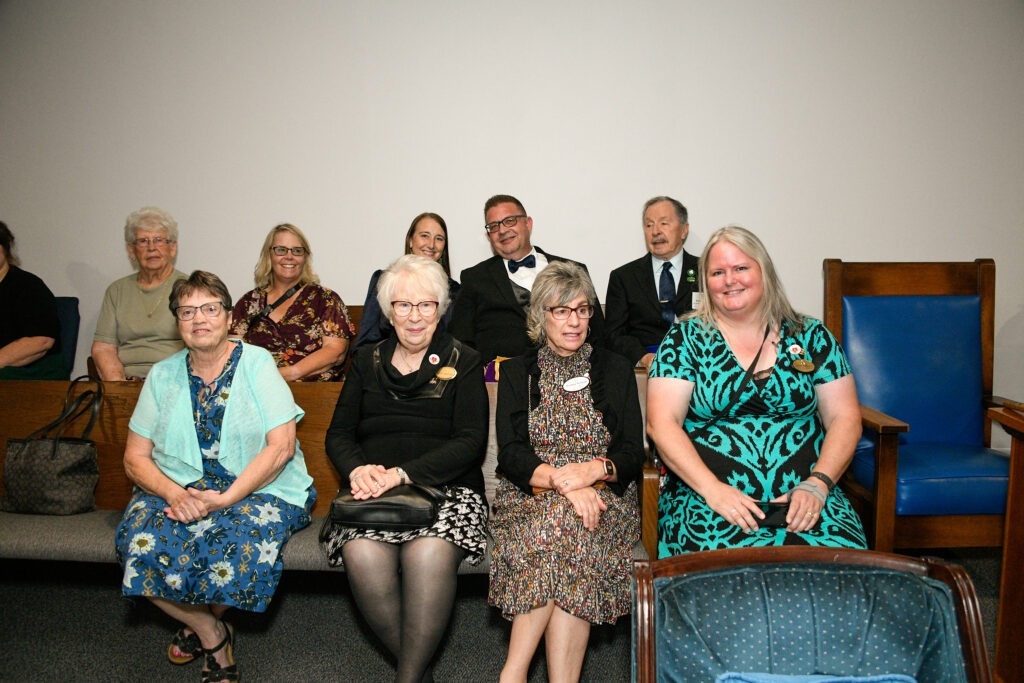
[(501, 284)]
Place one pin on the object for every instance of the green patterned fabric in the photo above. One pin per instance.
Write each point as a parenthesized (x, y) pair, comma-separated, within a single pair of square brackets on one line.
[(767, 443)]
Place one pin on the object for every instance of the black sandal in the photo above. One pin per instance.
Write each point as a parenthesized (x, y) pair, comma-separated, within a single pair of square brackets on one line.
[(214, 671), (189, 647)]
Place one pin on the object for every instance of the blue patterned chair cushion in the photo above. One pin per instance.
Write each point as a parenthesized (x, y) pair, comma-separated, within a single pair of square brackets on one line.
[(806, 619), (773, 678)]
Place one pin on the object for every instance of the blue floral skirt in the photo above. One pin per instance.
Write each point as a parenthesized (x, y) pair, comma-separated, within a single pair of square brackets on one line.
[(230, 557)]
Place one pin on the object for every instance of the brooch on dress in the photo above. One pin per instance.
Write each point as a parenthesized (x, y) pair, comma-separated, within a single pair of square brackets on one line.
[(801, 364)]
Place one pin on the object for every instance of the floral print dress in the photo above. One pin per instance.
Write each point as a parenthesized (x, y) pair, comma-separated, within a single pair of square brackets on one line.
[(316, 313), (230, 557)]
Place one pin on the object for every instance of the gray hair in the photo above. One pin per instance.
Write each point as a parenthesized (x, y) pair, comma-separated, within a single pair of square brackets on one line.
[(419, 272), (681, 212), (150, 218), (775, 306), (199, 281), (556, 285)]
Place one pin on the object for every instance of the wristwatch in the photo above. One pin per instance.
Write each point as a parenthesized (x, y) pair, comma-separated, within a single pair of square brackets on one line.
[(609, 468)]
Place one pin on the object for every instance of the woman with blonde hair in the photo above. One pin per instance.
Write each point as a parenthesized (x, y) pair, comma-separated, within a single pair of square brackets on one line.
[(304, 325)]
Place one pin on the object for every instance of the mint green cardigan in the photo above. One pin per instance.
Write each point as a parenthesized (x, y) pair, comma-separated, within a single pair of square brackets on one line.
[(259, 401)]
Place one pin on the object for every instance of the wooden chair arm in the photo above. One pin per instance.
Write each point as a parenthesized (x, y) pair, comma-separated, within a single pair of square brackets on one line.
[(1002, 402), (649, 483), (1010, 419), (879, 422)]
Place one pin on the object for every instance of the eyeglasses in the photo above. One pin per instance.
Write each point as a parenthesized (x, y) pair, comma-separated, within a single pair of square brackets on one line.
[(507, 221), (562, 312), (404, 308), (210, 310), (281, 251), (157, 242)]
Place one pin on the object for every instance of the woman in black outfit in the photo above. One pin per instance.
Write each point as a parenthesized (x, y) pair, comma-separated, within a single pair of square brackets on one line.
[(413, 409)]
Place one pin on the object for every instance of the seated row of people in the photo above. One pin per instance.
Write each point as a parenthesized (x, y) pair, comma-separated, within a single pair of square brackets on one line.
[(309, 331)]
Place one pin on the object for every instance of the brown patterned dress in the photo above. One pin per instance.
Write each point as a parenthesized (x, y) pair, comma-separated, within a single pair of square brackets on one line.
[(541, 550)]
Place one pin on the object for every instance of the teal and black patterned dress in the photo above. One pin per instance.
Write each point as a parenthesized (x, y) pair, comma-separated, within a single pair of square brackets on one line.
[(767, 443)]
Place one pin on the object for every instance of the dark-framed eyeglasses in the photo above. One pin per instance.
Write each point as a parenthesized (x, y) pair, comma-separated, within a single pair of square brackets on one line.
[(507, 221), (281, 251), (563, 312), (404, 308), (157, 242), (210, 310)]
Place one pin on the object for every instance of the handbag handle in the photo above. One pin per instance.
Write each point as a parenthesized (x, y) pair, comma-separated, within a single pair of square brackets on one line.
[(87, 400)]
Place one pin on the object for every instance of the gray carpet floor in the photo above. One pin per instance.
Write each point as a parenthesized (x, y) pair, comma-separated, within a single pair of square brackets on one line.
[(68, 622)]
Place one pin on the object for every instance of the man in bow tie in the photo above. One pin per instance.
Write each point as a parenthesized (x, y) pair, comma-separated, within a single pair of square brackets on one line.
[(490, 311), (647, 295)]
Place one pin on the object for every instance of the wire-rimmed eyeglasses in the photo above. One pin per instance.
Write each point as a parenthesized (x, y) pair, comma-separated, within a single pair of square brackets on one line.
[(210, 310), (404, 308)]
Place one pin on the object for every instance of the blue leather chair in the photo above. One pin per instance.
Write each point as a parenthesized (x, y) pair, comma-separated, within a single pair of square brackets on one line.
[(919, 338), (70, 319), (795, 611)]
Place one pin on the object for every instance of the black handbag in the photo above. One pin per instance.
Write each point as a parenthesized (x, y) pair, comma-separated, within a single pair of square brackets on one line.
[(409, 506), (52, 474)]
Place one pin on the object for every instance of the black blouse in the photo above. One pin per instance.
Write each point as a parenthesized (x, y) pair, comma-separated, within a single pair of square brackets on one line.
[(435, 430)]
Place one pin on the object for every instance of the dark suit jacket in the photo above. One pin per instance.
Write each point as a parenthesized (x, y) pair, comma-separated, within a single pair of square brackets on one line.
[(633, 312), (488, 317)]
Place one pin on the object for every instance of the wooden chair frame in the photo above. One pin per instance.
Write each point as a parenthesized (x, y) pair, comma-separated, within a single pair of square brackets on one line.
[(968, 612)]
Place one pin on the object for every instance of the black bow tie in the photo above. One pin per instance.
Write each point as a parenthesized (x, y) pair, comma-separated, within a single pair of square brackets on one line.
[(528, 262)]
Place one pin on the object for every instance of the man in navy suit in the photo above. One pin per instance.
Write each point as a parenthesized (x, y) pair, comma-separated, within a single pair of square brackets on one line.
[(490, 311), (647, 295)]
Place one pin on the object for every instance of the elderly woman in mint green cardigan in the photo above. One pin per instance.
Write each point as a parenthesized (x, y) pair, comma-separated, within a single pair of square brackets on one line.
[(221, 483)]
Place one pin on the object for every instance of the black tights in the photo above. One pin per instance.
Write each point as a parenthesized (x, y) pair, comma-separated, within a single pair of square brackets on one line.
[(405, 592)]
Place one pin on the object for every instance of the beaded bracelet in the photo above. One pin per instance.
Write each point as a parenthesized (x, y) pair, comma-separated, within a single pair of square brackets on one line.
[(824, 478)]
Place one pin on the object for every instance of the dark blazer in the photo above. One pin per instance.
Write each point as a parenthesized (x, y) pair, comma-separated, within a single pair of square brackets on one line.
[(613, 389), (489, 318), (633, 312)]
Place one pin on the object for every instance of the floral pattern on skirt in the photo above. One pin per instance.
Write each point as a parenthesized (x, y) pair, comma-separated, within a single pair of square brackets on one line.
[(462, 521), (230, 557)]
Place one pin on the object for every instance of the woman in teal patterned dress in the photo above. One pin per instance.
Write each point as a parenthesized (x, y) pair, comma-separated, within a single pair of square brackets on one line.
[(220, 481), (734, 436)]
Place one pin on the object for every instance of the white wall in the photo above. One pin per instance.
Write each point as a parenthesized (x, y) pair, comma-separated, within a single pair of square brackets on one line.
[(866, 130)]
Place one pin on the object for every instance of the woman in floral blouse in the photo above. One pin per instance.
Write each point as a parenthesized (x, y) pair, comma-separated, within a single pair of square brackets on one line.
[(221, 483), (304, 325)]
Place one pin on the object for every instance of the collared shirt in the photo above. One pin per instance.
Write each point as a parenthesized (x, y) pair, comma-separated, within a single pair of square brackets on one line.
[(676, 270), (524, 277)]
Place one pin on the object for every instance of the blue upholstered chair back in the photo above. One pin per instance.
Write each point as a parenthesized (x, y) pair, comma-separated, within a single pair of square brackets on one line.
[(67, 313), (805, 619), (918, 359)]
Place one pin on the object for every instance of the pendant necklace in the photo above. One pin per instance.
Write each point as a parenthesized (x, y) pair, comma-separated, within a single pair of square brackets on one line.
[(142, 293)]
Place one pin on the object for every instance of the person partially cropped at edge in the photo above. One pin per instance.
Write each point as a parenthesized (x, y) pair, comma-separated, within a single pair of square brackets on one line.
[(751, 402), (646, 296), (304, 325), (135, 329), (570, 440), (413, 409), (427, 236), (220, 481), (29, 327)]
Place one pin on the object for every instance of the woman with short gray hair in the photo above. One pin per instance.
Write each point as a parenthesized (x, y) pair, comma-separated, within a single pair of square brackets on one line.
[(135, 329), (570, 445)]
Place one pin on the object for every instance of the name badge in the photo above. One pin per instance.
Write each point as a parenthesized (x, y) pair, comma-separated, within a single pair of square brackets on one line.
[(447, 372), (576, 383), (695, 299)]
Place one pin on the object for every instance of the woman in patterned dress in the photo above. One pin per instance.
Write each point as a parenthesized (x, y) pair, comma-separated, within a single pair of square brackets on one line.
[(413, 409), (735, 436), (570, 441), (308, 331), (220, 481)]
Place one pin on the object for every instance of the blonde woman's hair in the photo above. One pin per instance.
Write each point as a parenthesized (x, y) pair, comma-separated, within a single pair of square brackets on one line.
[(775, 306), (264, 272)]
